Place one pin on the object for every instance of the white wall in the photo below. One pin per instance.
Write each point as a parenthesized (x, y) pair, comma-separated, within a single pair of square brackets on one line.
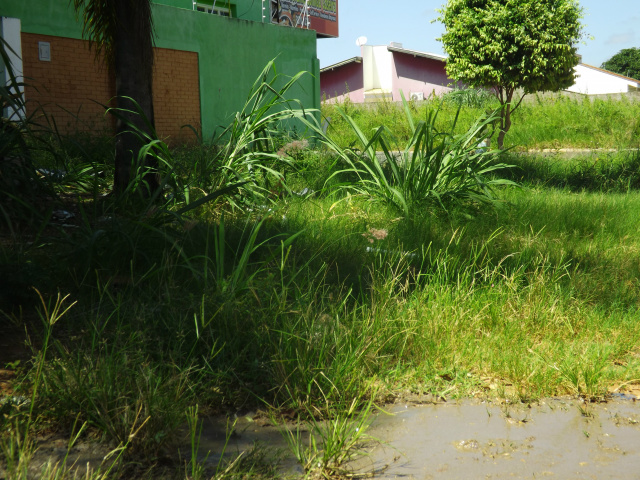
[(593, 81), (377, 64), (368, 67), (10, 32)]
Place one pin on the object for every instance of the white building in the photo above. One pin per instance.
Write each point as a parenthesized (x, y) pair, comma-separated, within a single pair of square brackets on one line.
[(596, 81)]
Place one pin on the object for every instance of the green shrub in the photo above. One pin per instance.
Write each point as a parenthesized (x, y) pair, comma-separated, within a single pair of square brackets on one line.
[(434, 169)]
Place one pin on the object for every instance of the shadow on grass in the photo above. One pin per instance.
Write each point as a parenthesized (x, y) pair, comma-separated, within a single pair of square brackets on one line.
[(598, 172)]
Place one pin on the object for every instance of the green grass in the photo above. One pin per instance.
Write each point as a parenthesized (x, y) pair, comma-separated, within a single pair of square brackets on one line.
[(537, 298), (562, 122), (323, 303), (600, 171), (539, 123), (550, 280)]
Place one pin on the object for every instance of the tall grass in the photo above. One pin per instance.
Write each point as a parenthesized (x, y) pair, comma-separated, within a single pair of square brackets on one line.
[(433, 169), (503, 311), (246, 153), (599, 171), (320, 304), (541, 122), (554, 122)]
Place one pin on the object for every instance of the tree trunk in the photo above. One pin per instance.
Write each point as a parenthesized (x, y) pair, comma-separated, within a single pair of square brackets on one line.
[(133, 66), (505, 124), (505, 116)]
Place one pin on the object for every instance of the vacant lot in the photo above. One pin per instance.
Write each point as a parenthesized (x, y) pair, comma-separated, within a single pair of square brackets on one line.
[(328, 284)]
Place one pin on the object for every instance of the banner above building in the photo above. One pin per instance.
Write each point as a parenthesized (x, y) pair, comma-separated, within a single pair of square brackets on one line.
[(318, 15)]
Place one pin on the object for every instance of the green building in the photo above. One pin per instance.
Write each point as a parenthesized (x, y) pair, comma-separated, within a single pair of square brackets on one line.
[(207, 57)]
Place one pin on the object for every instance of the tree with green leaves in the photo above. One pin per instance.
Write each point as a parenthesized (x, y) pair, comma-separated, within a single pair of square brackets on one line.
[(514, 47), (626, 62), (123, 31)]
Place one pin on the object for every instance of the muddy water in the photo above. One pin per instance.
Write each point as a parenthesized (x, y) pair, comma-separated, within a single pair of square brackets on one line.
[(557, 439), (471, 440)]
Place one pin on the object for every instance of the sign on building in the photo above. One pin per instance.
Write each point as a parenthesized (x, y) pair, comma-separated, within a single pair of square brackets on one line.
[(318, 15)]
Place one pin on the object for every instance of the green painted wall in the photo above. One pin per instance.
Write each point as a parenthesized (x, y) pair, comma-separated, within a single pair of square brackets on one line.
[(51, 17), (47, 17), (232, 52), (252, 10)]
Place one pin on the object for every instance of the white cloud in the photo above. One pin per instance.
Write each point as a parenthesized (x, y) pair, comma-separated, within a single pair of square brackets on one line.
[(621, 38)]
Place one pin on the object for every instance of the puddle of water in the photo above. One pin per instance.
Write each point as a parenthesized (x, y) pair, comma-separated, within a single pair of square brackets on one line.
[(471, 440)]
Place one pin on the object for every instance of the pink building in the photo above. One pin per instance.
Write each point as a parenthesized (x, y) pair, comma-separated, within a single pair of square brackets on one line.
[(382, 72)]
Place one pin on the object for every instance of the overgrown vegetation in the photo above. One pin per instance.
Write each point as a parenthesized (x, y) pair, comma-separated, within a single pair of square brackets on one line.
[(434, 168), (542, 121), (265, 277)]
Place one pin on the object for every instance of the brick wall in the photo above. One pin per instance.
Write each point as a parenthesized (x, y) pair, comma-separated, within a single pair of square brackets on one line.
[(68, 87), (176, 93), (65, 86)]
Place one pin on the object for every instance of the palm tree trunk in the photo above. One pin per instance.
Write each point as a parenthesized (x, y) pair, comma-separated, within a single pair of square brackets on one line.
[(133, 66)]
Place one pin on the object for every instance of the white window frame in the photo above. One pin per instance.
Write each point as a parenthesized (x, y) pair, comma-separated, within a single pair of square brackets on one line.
[(206, 8)]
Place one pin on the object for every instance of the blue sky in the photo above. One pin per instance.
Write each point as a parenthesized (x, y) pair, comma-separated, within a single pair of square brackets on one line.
[(611, 24)]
